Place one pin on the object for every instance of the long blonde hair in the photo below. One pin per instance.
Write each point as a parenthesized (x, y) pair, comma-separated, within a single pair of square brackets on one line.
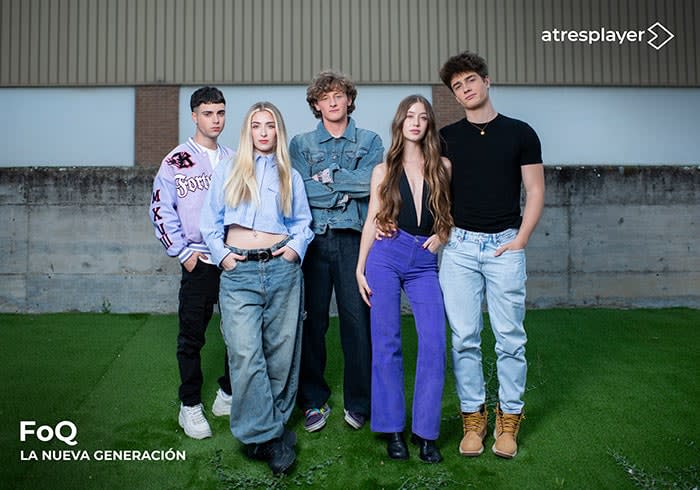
[(242, 185), (434, 172)]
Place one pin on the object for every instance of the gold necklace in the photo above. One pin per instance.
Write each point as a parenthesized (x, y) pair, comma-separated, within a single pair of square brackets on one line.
[(482, 130)]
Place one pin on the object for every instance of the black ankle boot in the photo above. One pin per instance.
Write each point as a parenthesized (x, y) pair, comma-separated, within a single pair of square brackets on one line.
[(428, 450), (396, 446)]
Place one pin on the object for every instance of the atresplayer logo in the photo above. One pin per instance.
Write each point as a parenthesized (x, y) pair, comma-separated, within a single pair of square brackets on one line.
[(657, 33)]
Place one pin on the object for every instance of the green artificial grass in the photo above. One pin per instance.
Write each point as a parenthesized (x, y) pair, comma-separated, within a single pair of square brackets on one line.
[(611, 403)]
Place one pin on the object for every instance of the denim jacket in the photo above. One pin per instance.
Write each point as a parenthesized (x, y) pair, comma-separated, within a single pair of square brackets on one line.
[(350, 159)]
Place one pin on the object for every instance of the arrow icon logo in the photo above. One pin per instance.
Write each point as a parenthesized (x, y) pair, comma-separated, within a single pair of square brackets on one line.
[(656, 29)]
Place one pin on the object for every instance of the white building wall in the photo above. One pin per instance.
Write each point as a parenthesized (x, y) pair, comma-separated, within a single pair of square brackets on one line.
[(608, 125), (56, 127), (577, 125)]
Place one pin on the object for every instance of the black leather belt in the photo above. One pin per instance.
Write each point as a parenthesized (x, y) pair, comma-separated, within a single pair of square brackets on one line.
[(260, 255)]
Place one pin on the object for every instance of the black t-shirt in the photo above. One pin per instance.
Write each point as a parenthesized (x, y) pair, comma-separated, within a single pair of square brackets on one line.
[(486, 176)]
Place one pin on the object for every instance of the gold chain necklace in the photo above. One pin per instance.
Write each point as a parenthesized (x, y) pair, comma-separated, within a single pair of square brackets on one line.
[(481, 129)]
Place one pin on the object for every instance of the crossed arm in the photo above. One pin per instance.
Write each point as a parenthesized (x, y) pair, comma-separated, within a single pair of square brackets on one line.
[(335, 185)]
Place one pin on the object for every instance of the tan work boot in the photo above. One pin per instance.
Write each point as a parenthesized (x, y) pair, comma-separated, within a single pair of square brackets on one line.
[(474, 424), (506, 433)]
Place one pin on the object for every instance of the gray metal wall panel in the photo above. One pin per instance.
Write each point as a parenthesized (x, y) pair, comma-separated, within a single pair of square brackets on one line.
[(132, 42)]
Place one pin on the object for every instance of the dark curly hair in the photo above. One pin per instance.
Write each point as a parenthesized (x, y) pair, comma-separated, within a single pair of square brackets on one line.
[(327, 81), (463, 63)]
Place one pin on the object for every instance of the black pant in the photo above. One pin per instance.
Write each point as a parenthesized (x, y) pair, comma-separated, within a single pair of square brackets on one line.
[(199, 291), (330, 263)]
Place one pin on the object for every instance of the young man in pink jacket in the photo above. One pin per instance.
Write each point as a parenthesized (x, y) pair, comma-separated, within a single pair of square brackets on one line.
[(179, 189)]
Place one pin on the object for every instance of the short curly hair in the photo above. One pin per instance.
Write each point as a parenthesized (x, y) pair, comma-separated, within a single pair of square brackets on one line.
[(463, 63), (327, 81)]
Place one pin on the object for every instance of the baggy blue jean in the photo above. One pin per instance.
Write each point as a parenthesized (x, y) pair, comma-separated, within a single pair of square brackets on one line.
[(394, 264), (261, 313), (468, 270)]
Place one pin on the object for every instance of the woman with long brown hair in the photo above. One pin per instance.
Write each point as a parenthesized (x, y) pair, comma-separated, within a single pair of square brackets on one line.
[(409, 194)]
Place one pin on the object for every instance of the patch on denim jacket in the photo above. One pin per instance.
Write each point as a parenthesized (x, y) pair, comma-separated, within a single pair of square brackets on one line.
[(315, 157), (355, 155)]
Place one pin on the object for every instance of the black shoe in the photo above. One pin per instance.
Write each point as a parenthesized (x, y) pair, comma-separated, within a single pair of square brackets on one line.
[(396, 446), (428, 450), (262, 451), (282, 457)]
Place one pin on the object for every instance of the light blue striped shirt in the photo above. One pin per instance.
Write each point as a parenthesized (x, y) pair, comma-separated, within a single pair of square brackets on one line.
[(217, 216)]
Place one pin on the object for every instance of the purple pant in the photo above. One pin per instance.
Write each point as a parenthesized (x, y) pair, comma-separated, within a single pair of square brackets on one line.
[(393, 264)]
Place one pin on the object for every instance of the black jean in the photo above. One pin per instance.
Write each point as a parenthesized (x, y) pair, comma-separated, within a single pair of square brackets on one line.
[(330, 263), (199, 291)]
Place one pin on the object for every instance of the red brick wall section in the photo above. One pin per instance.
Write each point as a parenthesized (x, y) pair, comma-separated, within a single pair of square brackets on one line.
[(447, 109), (156, 125)]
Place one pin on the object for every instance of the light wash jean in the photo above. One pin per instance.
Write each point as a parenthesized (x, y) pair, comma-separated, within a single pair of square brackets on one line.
[(467, 271), (261, 310)]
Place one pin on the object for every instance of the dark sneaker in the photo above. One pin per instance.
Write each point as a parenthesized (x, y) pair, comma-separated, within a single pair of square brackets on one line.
[(262, 451), (354, 419), (282, 457), (315, 418)]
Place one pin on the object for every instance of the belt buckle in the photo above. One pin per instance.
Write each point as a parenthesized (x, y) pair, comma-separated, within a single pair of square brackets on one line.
[(264, 255)]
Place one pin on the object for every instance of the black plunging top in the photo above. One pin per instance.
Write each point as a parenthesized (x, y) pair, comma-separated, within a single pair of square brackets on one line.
[(407, 219)]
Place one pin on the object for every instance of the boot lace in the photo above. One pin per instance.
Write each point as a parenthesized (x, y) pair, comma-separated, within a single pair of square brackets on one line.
[(510, 422), (472, 422)]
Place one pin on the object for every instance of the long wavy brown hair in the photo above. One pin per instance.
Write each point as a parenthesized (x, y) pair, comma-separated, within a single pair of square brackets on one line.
[(434, 172)]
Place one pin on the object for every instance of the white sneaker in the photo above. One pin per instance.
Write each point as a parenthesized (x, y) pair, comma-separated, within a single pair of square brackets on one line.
[(222, 404), (193, 421)]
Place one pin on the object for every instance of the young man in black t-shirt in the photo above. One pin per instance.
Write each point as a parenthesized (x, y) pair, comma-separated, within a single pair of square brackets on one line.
[(491, 155)]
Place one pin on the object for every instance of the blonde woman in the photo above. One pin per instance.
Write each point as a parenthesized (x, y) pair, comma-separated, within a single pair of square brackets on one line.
[(256, 223)]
